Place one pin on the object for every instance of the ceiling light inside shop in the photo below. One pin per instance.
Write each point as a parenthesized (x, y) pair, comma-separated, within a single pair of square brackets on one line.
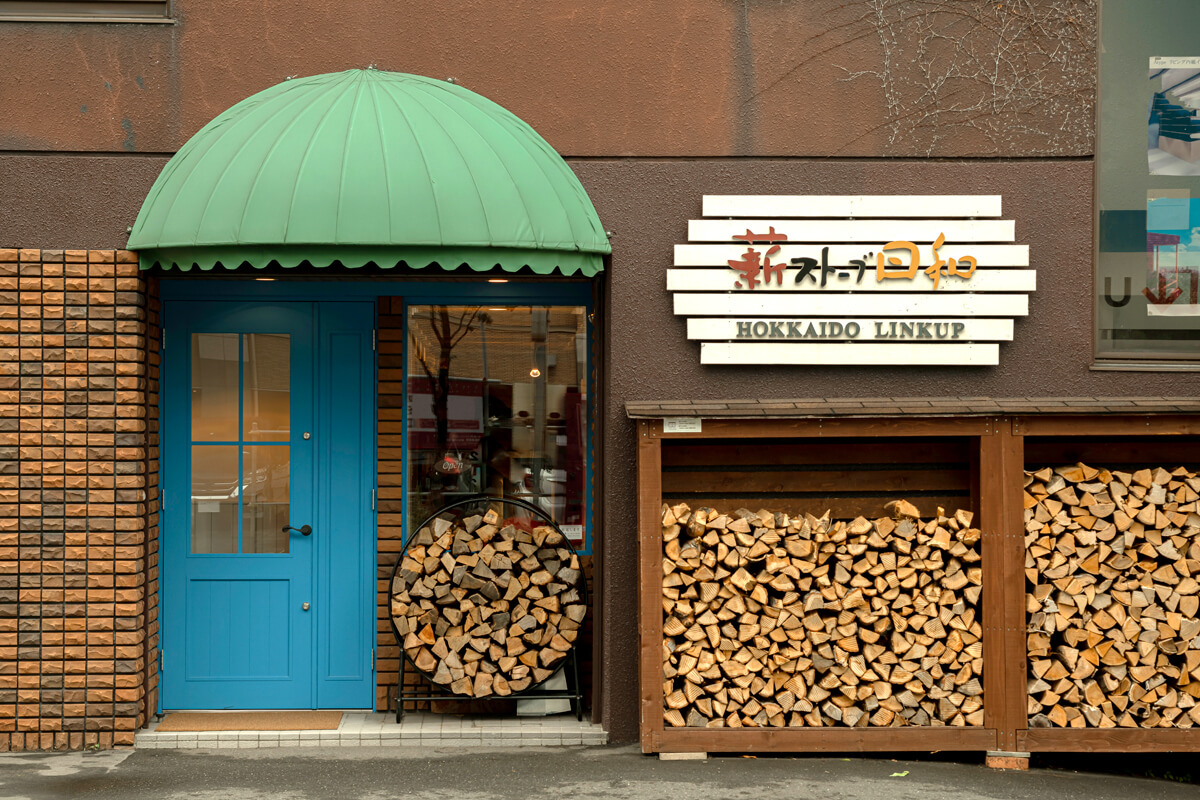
[(497, 280)]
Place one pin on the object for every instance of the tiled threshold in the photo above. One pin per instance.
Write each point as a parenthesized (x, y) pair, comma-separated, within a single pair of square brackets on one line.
[(364, 729)]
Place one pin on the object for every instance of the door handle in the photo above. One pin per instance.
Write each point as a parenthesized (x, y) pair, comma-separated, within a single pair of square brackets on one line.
[(304, 530)]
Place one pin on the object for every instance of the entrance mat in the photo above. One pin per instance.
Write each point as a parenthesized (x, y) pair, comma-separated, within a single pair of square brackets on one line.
[(189, 721)]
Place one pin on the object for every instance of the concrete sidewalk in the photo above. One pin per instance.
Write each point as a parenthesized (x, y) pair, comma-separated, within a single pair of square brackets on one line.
[(577, 773)]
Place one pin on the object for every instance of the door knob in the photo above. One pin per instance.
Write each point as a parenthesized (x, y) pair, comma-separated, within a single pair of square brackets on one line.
[(304, 606), (304, 530)]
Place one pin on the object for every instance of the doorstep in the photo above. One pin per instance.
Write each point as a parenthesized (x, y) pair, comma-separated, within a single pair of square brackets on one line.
[(365, 729)]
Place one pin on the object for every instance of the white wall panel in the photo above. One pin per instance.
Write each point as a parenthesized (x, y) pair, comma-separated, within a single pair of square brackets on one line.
[(723, 205), (995, 280), (842, 230), (718, 255), (726, 328), (881, 304), (854, 353)]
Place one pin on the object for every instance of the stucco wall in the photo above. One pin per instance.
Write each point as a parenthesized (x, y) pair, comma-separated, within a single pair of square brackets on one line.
[(601, 78)]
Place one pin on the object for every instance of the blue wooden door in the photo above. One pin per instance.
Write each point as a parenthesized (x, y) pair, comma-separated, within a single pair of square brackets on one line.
[(267, 521)]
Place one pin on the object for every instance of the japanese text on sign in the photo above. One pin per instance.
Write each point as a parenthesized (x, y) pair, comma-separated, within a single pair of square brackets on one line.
[(755, 267)]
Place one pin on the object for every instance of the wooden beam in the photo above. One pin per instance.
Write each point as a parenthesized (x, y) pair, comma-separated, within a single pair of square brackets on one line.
[(742, 428), (1001, 461), (822, 740), (650, 555), (1110, 425), (1108, 740)]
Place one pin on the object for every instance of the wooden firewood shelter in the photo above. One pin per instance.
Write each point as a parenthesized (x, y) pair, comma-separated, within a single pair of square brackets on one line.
[(852, 456)]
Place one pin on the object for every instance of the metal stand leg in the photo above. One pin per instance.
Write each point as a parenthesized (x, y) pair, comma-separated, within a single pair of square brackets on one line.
[(400, 694), (576, 701)]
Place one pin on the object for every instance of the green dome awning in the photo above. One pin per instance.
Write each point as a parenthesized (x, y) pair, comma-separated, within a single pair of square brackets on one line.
[(369, 166)]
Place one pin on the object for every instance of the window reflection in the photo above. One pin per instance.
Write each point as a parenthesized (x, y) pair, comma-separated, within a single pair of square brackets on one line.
[(497, 404), (214, 499), (214, 387), (266, 478), (267, 399)]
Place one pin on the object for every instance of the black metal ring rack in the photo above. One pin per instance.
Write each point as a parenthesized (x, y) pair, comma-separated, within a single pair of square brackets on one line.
[(570, 665)]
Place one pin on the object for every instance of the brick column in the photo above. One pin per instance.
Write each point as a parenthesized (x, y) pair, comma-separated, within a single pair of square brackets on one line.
[(76, 528)]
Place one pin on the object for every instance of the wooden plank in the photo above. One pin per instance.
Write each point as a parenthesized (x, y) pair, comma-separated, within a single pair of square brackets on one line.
[(854, 305), (1002, 549), (650, 555), (719, 255), (726, 328), (1113, 453), (859, 205), (836, 427), (857, 353), (839, 506), (844, 230), (726, 280), (1111, 425), (818, 740), (905, 451), (769, 479), (1110, 740)]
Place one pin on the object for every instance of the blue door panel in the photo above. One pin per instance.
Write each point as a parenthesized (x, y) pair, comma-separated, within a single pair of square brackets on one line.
[(346, 413), (236, 632), (231, 623)]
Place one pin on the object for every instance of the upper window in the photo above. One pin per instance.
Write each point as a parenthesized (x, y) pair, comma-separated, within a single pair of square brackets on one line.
[(86, 10), (1148, 183)]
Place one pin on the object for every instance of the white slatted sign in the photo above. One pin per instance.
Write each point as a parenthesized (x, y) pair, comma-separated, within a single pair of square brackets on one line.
[(806, 279)]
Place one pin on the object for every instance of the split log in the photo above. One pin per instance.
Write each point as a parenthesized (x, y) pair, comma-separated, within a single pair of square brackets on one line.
[(778, 621), (485, 606), (1111, 563)]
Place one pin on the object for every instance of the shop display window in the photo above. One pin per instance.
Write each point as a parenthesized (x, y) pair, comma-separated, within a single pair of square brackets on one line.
[(1148, 185), (497, 404)]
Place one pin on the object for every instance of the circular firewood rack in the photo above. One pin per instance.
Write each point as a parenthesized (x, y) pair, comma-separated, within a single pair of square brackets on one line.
[(487, 601)]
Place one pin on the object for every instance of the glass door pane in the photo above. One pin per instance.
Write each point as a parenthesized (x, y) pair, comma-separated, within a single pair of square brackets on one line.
[(214, 499), (267, 485), (266, 391), (214, 387)]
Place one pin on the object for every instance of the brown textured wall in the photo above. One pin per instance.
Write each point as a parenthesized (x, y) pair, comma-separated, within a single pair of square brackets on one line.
[(76, 530), (598, 78), (80, 201), (646, 204)]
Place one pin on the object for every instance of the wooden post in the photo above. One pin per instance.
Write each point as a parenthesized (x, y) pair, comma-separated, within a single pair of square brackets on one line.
[(1001, 456), (650, 556)]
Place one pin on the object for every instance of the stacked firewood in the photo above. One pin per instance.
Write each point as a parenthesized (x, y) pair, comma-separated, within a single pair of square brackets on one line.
[(1111, 564), (487, 607), (772, 621)]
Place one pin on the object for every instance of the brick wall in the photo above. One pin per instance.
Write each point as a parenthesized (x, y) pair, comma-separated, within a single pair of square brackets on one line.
[(390, 504), (78, 499)]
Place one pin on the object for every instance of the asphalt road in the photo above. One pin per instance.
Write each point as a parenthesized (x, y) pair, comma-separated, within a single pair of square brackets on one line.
[(580, 773)]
